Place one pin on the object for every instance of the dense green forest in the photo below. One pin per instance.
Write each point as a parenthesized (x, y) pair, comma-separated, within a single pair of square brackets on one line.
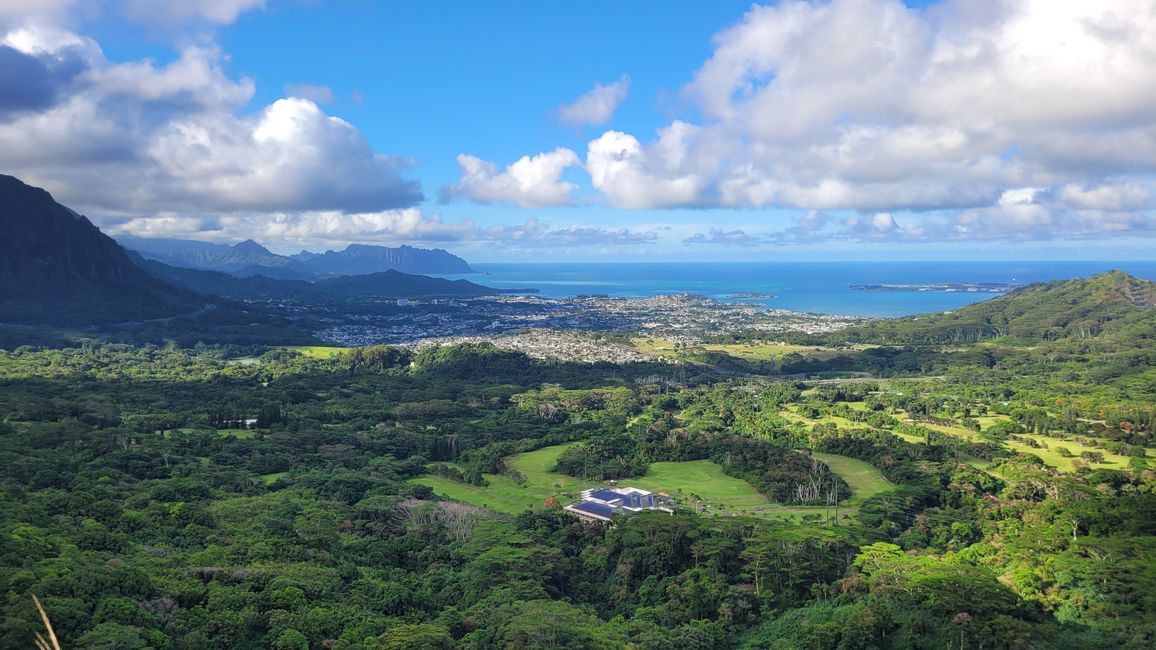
[(159, 497)]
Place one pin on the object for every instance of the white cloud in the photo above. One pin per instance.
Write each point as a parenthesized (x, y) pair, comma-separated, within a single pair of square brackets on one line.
[(15, 13), (175, 12), (633, 176), (291, 155), (139, 138), (1123, 196), (530, 181), (720, 237), (875, 226), (318, 94), (597, 106), (329, 228), (872, 106)]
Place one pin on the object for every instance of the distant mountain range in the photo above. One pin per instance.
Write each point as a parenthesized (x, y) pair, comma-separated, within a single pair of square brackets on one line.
[(386, 284), (249, 258), (57, 268)]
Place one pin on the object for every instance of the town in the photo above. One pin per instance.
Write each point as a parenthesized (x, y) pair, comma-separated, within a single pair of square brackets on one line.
[(682, 317)]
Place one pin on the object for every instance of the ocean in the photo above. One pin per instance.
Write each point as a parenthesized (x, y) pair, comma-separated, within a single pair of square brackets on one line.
[(822, 287)]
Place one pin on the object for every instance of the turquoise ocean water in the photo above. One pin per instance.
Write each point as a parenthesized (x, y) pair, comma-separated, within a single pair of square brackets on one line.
[(802, 286)]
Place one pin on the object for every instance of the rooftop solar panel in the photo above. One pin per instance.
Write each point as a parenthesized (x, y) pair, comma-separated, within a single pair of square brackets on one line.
[(605, 495), (594, 508)]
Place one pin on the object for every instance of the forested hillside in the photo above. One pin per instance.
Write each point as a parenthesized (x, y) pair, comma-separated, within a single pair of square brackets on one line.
[(1079, 308), (167, 498)]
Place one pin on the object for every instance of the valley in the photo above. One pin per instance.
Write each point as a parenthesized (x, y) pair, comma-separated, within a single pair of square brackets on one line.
[(343, 462)]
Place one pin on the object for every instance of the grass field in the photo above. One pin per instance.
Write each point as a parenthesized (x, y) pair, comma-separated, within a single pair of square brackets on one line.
[(754, 351), (790, 413), (270, 479), (959, 432), (865, 481), (1050, 456), (243, 434), (700, 484), (315, 351)]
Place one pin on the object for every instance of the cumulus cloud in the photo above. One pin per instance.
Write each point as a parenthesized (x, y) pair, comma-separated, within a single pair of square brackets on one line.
[(944, 108), (138, 138), (1020, 214), (634, 176), (531, 181), (14, 13), (596, 106), (875, 226)]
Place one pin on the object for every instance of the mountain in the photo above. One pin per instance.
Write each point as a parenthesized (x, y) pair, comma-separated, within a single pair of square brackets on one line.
[(361, 259), (398, 284), (56, 267), (238, 259), (250, 258), (387, 284), (1077, 308)]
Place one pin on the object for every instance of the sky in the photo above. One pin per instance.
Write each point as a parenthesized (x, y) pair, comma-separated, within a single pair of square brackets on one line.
[(596, 131)]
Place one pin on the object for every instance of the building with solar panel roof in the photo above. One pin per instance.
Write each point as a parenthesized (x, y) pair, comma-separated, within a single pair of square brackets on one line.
[(601, 504)]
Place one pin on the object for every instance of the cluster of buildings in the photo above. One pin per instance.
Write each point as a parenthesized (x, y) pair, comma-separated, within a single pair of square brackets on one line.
[(600, 505), (678, 317)]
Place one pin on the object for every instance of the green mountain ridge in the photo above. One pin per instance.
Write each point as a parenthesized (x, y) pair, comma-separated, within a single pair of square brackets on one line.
[(1079, 308), (386, 284)]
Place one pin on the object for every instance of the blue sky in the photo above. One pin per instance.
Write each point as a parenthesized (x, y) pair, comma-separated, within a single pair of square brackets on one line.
[(851, 129)]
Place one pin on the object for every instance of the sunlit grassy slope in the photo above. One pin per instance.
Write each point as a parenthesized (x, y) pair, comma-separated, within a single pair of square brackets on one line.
[(700, 484), (315, 351)]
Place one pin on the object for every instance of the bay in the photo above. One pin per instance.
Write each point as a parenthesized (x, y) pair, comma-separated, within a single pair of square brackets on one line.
[(822, 287)]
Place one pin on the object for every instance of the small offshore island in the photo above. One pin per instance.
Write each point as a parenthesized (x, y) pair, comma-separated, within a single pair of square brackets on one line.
[(948, 287)]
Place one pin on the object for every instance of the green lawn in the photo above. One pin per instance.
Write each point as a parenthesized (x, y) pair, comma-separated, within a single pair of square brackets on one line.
[(865, 481), (270, 479), (242, 434), (700, 484), (1052, 456), (986, 421), (766, 351), (239, 433), (959, 432), (315, 351), (791, 413), (753, 351)]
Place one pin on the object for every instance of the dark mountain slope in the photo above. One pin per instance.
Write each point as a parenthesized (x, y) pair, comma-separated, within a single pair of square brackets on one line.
[(58, 268), (1077, 308)]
